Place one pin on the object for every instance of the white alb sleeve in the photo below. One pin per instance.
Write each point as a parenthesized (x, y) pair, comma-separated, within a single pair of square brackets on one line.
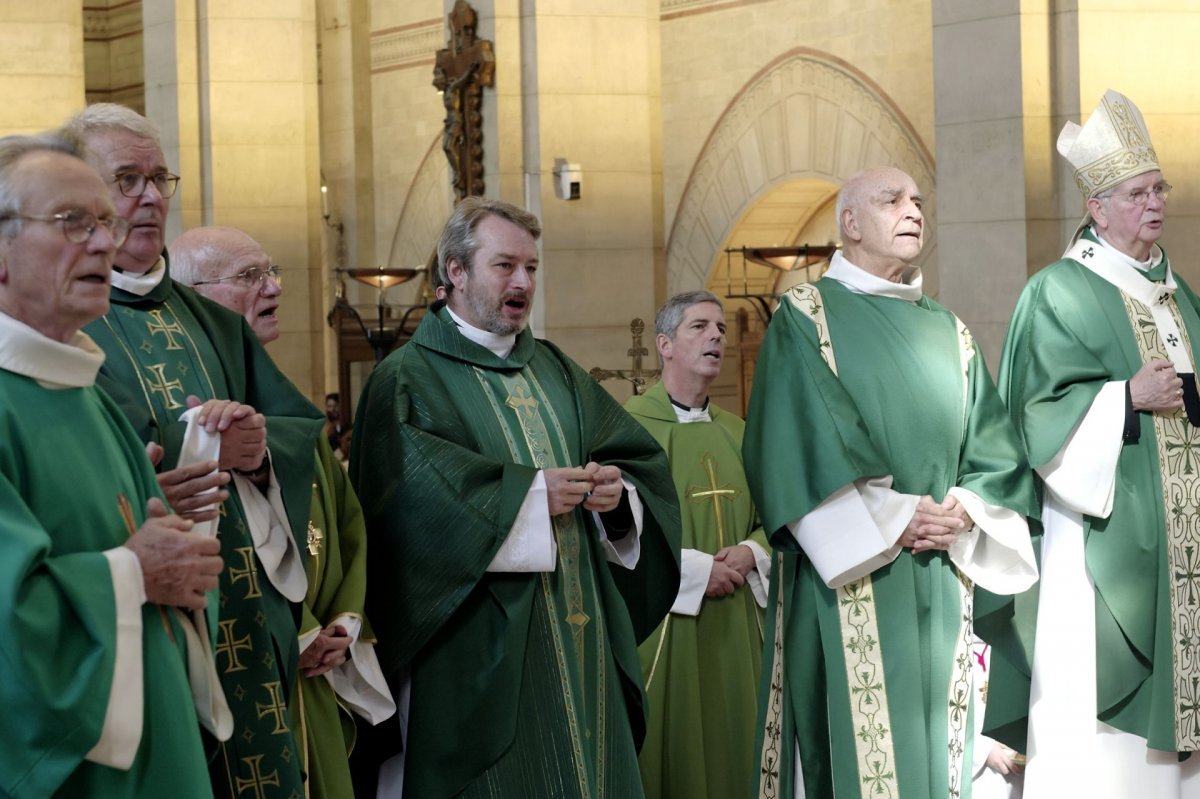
[(1083, 475)]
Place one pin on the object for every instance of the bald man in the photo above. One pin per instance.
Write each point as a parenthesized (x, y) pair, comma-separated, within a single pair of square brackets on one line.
[(877, 448), (337, 660)]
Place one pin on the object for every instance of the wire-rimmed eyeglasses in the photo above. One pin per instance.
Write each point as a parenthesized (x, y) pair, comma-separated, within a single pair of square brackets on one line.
[(78, 227), (133, 184), (251, 278)]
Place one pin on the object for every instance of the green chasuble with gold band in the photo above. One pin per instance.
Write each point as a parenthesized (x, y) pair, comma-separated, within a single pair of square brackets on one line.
[(871, 681), (702, 671), (523, 684), (161, 347), (336, 565), (1071, 333), (66, 456)]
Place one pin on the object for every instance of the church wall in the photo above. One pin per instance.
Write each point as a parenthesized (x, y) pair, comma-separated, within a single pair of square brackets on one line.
[(710, 50), (41, 64)]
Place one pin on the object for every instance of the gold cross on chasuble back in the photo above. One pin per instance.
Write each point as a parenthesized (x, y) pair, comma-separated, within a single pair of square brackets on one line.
[(169, 329), (714, 492)]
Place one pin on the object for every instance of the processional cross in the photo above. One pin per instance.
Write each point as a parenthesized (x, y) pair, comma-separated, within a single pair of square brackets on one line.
[(637, 375), (460, 72)]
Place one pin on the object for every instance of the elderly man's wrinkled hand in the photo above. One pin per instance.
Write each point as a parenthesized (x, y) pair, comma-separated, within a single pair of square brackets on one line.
[(178, 566), (935, 525), (606, 487), (1156, 387)]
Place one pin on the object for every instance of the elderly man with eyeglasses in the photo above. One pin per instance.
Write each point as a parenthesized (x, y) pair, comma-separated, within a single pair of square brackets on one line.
[(1098, 373), (95, 574), (169, 349), (338, 662)]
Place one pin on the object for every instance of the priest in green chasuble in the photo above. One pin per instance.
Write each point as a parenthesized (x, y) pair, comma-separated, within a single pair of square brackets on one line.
[(1099, 375), (524, 539), (95, 574), (339, 671), (890, 479), (702, 664), (168, 349)]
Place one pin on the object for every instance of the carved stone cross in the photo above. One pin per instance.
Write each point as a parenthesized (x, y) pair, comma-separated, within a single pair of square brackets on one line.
[(637, 375), (460, 72)]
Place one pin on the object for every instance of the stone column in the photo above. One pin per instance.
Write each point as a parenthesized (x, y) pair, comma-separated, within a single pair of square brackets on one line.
[(981, 179), (234, 89), (576, 84)]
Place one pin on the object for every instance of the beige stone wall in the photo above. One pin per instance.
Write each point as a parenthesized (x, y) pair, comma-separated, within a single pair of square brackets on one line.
[(112, 44), (41, 64)]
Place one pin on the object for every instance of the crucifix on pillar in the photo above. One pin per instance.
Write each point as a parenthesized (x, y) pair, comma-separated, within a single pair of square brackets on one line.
[(637, 375), (460, 72)]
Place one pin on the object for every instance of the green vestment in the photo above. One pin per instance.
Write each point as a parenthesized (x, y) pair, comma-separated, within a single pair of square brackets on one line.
[(161, 347), (523, 684), (702, 671), (871, 680), (1071, 333), (336, 565), (66, 455)]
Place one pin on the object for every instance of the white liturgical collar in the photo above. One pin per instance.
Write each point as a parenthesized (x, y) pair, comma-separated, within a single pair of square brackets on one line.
[(51, 363), (861, 281), (142, 284), (500, 346)]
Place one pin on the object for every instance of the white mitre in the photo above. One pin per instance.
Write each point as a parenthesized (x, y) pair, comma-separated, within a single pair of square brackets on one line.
[(1112, 147)]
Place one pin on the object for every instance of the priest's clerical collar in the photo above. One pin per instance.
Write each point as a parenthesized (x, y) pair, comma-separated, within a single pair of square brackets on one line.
[(1156, 256), (500, 346), (861, 281), (53, 364), (142, 284), (686, 414)]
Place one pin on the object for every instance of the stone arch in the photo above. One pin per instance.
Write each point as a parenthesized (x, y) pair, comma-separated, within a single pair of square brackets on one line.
[(426, 207), (807, 114)]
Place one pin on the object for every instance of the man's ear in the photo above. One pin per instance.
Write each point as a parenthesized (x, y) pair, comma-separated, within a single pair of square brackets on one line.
[(664, 345), (849, 225), (456, 273), (1098, 212), (5, 246)]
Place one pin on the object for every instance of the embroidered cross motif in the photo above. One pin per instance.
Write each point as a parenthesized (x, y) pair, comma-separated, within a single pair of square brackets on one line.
[(1174, 342), (228, 645), (276, 708), (158, 383), (1163, 297), (168, 329), (520, 400), (1089, 252), (257, 779), (248, 572), (715, 492)]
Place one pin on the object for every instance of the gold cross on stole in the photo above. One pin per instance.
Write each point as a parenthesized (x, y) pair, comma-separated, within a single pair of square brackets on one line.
[(257, 780), (168, 329), (158, 383), (715, 492)]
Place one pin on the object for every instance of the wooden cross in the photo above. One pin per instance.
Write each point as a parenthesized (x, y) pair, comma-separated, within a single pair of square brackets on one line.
[(460, 72), (168, 329), (714, 492), (276, 708), (637, 375), (228, 645), (158, 383), (257, 779)]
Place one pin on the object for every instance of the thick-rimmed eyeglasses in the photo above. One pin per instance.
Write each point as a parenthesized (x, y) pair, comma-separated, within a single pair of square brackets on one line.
[(133, 184), (78, 227), (1142, 196), (251, 278)]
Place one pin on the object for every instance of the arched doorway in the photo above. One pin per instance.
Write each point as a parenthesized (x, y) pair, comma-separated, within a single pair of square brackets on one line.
[(768, 175)]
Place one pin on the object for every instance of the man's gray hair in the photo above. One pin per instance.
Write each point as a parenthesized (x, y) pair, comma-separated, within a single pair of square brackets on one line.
[(670, 316), (15, 148), (457, 241), (101, 117)]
